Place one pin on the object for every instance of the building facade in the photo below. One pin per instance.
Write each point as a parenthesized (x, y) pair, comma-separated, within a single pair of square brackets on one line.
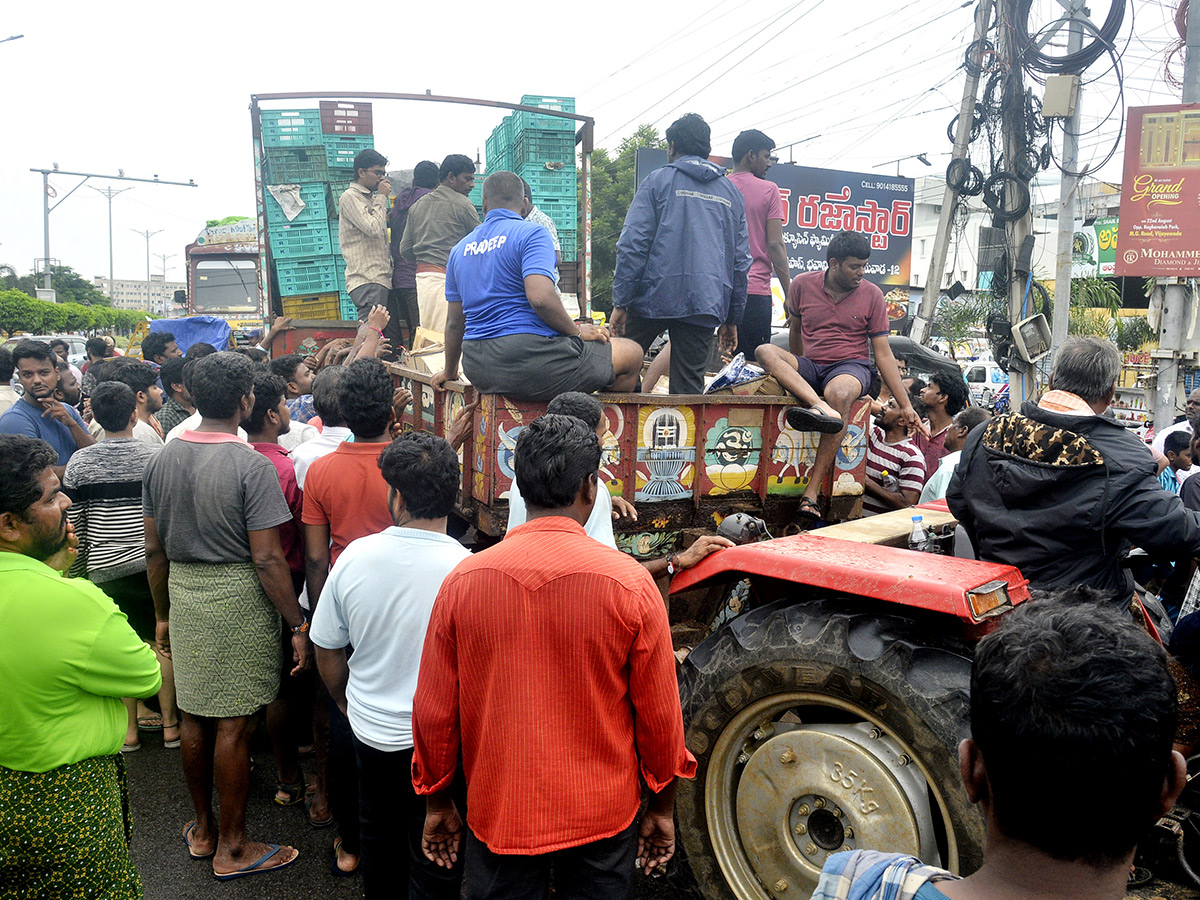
[(155, 296)]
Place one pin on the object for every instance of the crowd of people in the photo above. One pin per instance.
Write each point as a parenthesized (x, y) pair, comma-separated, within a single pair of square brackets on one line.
[(249, 537)]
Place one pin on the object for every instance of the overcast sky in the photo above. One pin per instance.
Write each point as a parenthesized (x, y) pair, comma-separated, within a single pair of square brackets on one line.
[(164, 88)]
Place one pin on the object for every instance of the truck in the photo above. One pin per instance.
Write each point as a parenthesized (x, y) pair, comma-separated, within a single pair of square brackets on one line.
[(823, 675), (223, 272)]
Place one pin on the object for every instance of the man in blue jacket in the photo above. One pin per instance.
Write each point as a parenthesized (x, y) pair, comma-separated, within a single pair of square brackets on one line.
[(683, 257)]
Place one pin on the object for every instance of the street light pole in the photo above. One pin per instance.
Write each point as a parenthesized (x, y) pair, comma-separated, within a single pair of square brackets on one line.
[(147, 234), (164, 257), (109, 193)]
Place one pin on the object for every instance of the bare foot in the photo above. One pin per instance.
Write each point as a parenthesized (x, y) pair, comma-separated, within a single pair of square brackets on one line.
[(250, 857), (822, 407)]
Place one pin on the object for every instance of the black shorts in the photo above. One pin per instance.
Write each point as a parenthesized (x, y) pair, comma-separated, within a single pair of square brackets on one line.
[(535, 367), (818, 375)]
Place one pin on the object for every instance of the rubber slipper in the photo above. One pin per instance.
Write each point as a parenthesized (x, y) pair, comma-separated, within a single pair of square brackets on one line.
[(187, 831), (171, 745), (809, 510), (316, 823), (256, 867), (130, 748), (289, 793), (802, 418), (152, 722), (333, 866)]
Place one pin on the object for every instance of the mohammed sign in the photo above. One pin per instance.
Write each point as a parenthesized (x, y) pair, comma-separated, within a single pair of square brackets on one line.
[(1160, 193)]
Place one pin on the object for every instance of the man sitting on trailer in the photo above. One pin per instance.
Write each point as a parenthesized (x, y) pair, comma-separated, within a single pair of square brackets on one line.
[(1064, 685), (832, 317), (506, 321)]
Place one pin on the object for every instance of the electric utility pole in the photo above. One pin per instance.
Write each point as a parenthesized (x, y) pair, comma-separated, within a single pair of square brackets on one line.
[(1013, 112), (1068, 187), (109, 193), (47, 208), (164, 257), (147, 234), (962, 137), (1174, 315)]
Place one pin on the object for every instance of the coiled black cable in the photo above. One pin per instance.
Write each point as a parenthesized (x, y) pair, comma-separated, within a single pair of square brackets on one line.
[(995, 193), (1067, 63)]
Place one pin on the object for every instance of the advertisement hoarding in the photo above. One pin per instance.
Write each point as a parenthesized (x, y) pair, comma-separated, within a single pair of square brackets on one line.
[(818, 203), (1160, 192), (1094, 248)]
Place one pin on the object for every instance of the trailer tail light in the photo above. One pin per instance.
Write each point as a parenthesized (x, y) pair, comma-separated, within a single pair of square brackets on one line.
[(989, 599)]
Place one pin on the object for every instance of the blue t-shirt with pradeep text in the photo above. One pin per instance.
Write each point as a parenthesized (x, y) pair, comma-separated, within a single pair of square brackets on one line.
[(23, 418), (486, 274)]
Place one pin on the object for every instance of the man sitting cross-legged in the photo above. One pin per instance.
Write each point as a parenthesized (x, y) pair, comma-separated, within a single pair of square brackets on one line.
[(831, 316)]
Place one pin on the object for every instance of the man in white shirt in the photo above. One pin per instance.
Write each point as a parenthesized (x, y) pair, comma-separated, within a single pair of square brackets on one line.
[(1188, 425), (384, 617), (956, 433), (334, 429)]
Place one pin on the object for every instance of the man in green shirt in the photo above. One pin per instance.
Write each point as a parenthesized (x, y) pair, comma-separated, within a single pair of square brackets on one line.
[(67, 657)]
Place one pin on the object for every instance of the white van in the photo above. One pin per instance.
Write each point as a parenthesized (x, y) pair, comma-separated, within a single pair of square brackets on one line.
[(986, 380)]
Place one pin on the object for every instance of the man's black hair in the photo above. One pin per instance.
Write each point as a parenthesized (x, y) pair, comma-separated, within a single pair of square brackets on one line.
[(954, 388), (752, 141), (455, 164), (1068, 688), (285, 366), (367, 159), (691, 136), (365, 397), (155, 344), (424, 469), (425, 174), (554, 456), (38, 350), (113, 403), (59, 342), (972, 417), (1176, 442), (97, 347), (218, 382), (325, 396), (847, 245), (918, 405), (582, 406), (189, 366), (254, 354), (6, 365), (25, 459), (269, 389), (200, 349), (171, 374), (132, 372)]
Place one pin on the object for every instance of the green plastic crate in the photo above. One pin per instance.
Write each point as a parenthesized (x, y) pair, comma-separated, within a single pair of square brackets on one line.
[(290, 128), (317, 208), (538, 147), (300, 240), (301, 277), (523, 121), (294, 165), (550, 184), (340, 149)]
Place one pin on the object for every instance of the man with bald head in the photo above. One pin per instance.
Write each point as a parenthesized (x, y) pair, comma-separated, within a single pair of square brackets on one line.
[(506, 321)]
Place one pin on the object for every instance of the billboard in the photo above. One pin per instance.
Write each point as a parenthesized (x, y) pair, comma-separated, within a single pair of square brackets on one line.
[(818, 203), (1160, 192), (1094, 248)]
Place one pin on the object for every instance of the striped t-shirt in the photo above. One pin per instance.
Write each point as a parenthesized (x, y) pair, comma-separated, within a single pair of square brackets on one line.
[(903, 459), (104, 482)]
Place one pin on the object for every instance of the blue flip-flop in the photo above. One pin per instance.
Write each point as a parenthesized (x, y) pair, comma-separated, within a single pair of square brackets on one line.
[(253, 868), (187, 839)]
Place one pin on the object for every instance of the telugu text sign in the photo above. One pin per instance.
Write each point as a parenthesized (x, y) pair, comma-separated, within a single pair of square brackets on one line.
[(1160, 193)]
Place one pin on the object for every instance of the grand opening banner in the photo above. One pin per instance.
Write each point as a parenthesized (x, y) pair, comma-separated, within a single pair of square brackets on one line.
[(1160, 193), (818, 203)]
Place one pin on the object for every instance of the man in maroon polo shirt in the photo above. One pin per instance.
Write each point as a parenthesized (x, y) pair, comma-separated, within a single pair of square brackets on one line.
[(832, 315)]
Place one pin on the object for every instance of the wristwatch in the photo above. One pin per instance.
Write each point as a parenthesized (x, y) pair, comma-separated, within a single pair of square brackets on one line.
[(672, 567), (301, 628)]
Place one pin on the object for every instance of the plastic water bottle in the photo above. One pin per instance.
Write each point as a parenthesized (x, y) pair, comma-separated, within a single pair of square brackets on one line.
[(889, 481), (918, 538)]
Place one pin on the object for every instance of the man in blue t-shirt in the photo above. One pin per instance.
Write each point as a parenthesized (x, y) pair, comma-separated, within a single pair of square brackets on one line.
[(38, 414), (506, 321)]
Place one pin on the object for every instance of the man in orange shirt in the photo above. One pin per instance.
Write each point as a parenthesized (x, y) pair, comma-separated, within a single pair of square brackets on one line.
[(548, 661), (345, 498)]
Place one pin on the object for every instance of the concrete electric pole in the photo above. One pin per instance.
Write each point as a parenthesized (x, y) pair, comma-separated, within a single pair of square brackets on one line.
[(147, 234), (109, 193), (962, 137), (1068, 187)]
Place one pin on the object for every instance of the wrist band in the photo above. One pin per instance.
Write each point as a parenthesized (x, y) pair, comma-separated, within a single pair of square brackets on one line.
[(376, 330)]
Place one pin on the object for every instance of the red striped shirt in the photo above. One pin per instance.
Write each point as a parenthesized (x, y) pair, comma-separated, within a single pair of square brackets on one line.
[(548, 657), (903, 459)]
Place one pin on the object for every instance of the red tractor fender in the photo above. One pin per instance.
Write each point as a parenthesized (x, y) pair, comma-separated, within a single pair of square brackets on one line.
[(942, 584)]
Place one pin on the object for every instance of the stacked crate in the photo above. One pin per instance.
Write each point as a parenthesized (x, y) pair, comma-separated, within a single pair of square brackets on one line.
[(541, 149), (315, 149)]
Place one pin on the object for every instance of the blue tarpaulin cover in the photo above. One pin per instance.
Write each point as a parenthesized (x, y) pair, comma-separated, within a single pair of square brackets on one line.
[(195, 330)]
